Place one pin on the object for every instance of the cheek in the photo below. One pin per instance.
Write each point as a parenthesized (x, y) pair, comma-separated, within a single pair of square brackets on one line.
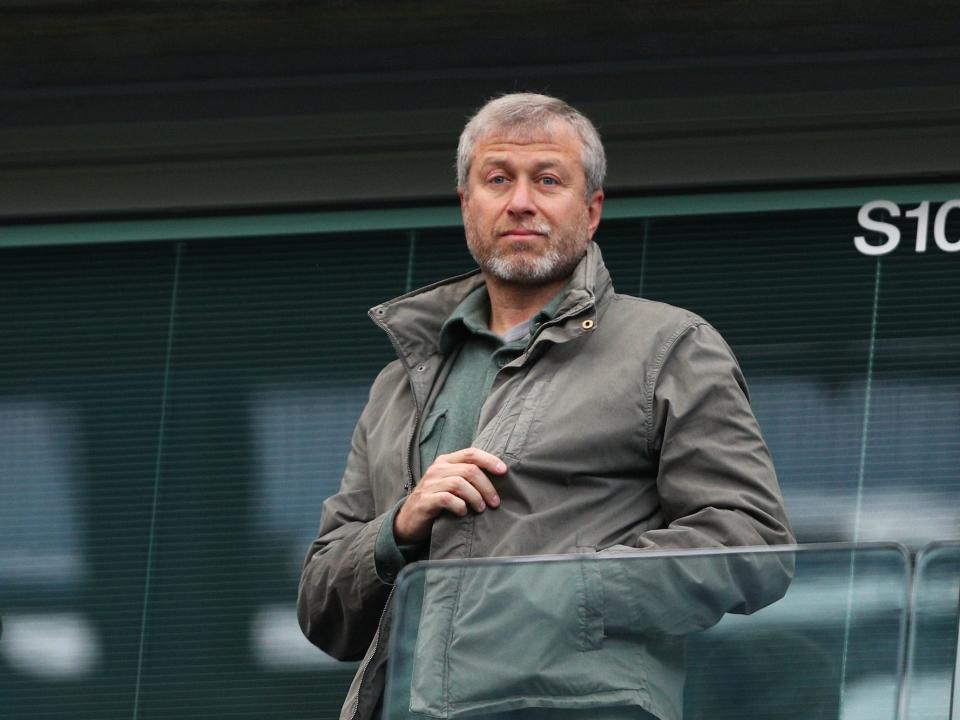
[(566, 208), (485, 219), (573, 220)]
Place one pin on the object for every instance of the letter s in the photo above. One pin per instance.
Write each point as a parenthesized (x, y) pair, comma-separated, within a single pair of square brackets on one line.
[(867, 223)]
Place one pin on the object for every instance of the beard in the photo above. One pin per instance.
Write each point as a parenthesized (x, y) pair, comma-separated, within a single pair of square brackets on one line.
[(517, 264)]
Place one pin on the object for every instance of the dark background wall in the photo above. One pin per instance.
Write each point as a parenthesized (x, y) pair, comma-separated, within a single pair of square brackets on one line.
[(123, 106)]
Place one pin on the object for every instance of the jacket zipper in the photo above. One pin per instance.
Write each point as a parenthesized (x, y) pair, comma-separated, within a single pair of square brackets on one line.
[(371, 656), (408, 486)]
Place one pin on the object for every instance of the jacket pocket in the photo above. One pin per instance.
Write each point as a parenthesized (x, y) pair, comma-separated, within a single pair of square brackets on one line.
[(430, 436), (495, 638), (526, 419)]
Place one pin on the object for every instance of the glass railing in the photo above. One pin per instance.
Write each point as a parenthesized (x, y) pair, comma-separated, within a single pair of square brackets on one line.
[(810, 632), (932, 687)]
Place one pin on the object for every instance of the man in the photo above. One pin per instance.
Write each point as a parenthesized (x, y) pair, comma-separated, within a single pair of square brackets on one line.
[(532, 410)]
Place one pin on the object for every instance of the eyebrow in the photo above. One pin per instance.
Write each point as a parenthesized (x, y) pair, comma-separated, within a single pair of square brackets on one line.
[(501, 161)]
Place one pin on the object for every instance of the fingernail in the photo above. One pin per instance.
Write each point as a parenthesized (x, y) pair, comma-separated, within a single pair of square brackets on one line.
[(482, 506), (501, 467), (495, 500)]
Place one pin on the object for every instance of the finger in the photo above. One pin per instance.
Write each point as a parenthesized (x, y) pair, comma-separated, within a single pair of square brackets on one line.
[(451, 502), (456, 484), (475, 456), (438, 474), (479, 480), (463, 488)]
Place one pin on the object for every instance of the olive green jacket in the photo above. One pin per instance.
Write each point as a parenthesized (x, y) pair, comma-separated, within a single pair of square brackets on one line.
[(625, 425)]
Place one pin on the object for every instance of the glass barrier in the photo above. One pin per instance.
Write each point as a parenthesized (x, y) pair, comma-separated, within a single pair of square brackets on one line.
[(932, 688), (813, 632)]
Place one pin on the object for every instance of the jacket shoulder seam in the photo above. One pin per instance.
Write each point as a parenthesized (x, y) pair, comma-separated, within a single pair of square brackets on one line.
[(653, 375)]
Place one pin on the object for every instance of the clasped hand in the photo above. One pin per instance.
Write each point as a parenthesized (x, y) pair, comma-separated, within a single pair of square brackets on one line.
[(456, 483)]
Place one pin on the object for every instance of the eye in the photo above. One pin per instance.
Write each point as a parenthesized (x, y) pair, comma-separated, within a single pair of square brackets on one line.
[(549, 180)]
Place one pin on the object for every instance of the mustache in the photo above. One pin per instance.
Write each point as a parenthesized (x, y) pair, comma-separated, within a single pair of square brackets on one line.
[(541, 228)]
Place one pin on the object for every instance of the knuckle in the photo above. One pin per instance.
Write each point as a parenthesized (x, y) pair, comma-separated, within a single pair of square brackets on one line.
[(479, 477), (465, 488)]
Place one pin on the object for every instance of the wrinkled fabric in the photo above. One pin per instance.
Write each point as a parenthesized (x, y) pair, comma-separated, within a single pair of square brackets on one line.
[(625, 426)]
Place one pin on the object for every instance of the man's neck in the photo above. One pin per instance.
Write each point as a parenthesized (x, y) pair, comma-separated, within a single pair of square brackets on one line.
[(512, 304)]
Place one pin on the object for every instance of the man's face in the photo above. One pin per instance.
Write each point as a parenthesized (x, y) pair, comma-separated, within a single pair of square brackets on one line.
[(525, 213)]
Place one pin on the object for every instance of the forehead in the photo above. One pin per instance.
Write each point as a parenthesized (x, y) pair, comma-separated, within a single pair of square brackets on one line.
[(556, 143)]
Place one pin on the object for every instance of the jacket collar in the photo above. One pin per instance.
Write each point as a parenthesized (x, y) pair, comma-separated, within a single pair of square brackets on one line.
[(413, 321)]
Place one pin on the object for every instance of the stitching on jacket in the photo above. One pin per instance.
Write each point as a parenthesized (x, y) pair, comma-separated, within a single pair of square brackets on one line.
[(653, 375), (583, 630), (467, 540), (445, 682), (528, 417)]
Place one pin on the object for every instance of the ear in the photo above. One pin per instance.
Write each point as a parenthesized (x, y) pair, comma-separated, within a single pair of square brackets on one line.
[(594, 210), (462, 195)]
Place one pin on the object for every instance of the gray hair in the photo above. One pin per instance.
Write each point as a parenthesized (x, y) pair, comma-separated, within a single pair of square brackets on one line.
[(530, 113)]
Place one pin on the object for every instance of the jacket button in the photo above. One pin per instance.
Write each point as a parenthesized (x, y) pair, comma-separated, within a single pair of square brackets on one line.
[(586, 324)]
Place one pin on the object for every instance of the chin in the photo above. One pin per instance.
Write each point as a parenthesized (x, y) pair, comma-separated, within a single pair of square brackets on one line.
[(535, 271)]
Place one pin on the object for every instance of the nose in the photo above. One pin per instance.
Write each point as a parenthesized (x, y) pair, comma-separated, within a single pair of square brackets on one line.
[(521, 199)]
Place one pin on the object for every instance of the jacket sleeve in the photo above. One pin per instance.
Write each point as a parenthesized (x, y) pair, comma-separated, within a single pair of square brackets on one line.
[(717, 488), (341, 597)]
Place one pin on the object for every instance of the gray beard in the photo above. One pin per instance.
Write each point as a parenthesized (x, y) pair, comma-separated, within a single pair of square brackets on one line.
[(557, 263), (545, 269)]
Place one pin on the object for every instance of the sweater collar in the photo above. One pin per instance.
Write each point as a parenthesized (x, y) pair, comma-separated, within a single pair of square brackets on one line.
[(472, 315)]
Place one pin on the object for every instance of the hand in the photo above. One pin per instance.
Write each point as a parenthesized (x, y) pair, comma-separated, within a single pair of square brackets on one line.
[(455, 482)]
